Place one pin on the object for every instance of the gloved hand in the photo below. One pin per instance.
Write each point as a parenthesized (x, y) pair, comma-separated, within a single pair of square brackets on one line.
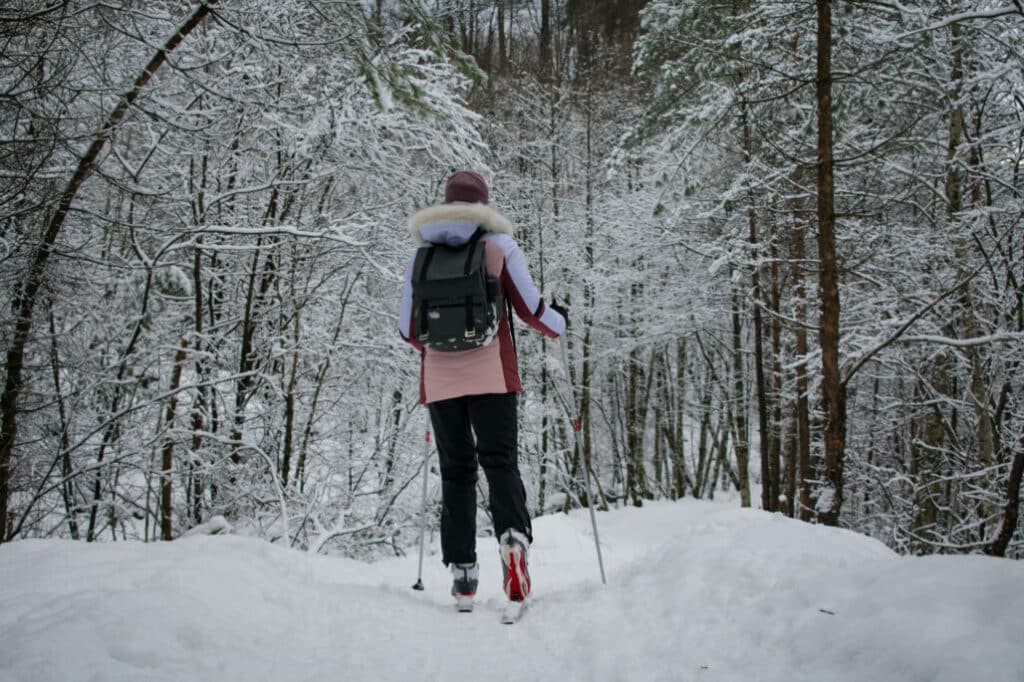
[(561, 310)]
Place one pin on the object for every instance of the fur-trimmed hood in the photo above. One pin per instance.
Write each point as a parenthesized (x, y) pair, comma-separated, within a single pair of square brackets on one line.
[(454, 223)]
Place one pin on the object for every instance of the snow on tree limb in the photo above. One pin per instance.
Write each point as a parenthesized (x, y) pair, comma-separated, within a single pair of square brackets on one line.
[(1006, 337), (995, 13), (279, 230)]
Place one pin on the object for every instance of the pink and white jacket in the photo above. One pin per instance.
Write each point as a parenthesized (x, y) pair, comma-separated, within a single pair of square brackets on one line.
[(492, 368)]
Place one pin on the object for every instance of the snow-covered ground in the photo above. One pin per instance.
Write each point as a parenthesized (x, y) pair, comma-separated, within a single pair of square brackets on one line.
[(696, 591)]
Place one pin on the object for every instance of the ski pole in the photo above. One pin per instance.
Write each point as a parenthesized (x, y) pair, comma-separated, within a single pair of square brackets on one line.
[(571, 409), (423, 509)]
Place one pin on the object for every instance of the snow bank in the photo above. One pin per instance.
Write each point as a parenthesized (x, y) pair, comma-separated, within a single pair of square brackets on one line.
[(697, 591)]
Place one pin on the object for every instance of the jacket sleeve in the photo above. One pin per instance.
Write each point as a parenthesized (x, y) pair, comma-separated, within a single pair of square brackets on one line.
[(406, 312), (519, 287)]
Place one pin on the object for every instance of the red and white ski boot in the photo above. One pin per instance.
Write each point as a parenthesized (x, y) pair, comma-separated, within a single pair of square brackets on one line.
[(514, 565)]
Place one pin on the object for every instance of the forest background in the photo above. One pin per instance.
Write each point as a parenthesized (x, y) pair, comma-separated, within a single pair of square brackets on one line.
[(789, 234)]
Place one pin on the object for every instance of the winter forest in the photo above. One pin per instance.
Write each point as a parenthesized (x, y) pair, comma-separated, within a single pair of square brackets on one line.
[(790, 235)]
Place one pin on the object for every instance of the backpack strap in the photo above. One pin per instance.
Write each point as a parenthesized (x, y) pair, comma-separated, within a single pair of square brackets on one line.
[(470, 252), (421, 319)]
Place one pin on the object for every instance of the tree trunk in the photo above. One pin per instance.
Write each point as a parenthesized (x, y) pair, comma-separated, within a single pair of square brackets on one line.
[(245, 359), (1012, 508), (545, 40), (167, 453), (636, 477), (704, 457), (253, 298), (586, 404), (968, 310), (803, 421), (199, 405), (775, 426), (834, 393), (288, 446), (67, 488), (769, 497), (676, 400), (739, 399), (502, 48)]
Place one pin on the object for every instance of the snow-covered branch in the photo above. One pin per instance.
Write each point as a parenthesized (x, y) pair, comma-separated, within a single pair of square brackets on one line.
[(279, 231), (972, 15), (1006, 337)]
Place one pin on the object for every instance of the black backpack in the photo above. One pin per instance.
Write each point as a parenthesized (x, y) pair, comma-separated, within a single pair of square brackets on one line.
[(457, 304)]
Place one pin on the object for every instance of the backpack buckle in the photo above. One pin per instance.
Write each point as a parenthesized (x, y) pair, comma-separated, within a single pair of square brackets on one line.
[(470, 334)]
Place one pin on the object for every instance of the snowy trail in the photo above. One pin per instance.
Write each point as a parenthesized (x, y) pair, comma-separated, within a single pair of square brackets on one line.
[(697, 591)]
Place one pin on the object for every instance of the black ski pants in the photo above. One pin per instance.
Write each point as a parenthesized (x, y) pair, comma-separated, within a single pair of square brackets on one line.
[(492, 419)]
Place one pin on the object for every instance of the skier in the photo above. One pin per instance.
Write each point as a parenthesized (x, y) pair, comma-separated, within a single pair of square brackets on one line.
[(474, 392)]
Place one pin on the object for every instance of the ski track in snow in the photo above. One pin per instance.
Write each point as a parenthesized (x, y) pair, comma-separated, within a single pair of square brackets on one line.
[(697, 591)]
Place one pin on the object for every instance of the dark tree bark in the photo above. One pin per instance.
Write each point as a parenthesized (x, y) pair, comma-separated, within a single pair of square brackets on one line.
[(742, 439), (67, 471), (545, 39), (199, 407), (254, 299), (246, 361), (803, 421), (638, 383), (834, 392), (167, 453), (1012, 509), (502, 46)]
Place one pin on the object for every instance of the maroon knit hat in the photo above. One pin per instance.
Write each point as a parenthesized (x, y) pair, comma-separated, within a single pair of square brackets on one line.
[(465, 186)]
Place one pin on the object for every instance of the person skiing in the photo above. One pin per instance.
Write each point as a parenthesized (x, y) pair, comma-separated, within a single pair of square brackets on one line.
[(472, 395)]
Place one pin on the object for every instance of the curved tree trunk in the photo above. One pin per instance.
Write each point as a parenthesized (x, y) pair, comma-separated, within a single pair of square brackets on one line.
[(1012, 508)]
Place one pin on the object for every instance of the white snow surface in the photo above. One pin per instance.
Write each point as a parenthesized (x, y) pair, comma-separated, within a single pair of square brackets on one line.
[(696, 591)]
